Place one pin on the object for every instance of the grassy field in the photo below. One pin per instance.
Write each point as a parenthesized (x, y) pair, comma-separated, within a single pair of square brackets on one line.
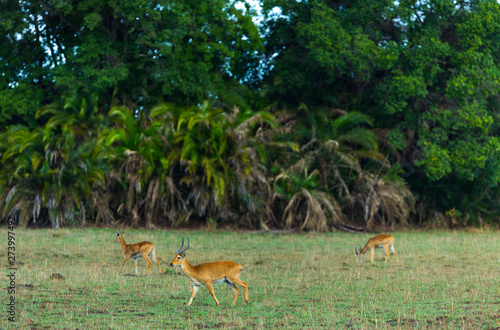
[(442, 279)]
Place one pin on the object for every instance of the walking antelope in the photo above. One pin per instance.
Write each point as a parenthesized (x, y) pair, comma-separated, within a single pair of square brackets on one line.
[(136, 251), (209, 273), (383, 240)]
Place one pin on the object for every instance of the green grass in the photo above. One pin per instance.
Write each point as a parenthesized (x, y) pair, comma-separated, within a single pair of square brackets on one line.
[(442, 279)]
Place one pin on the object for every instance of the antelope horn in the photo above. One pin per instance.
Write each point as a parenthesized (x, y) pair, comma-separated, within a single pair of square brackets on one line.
[(181, 250), (178, 251), (356, 249)]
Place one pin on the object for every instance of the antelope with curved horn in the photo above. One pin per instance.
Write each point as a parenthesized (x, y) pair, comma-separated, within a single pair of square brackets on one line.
[(380, 241), (135, 251), (209, 273)]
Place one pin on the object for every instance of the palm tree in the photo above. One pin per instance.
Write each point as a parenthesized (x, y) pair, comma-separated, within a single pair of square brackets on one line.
[(74, 124), (206, 160), (216, 160), (335, 146), (253, 138), (56, 167), (383, 201), (343, 154), (129, 143), (74, 114), (49, 170), (307, 206), (22, 155)]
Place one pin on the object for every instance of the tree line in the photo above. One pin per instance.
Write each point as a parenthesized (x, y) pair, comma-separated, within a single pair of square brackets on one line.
[(303, 115)]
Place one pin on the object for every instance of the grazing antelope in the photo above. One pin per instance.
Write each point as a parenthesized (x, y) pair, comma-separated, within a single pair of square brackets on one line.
[(209, 273), (136, 251), (383, 240)]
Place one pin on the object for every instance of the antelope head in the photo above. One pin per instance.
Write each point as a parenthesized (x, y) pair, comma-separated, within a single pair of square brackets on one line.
[(356, 250), (119, 236), (180, 255)]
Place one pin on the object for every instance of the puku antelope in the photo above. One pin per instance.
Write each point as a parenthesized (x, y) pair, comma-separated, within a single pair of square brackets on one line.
[(136, 251), (209, 273), (380, 241)]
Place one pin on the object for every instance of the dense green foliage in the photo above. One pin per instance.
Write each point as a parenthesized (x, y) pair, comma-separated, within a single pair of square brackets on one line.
[(426, 71), (324, 113), (134, 51)]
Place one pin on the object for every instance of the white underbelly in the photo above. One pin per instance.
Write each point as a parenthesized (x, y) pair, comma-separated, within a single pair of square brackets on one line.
[(198, 283), (222, 280)]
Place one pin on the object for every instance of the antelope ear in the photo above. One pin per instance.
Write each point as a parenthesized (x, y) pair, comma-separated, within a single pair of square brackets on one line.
[(183, 254)]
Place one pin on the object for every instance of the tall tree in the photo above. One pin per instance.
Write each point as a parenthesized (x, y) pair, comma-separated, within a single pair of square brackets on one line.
[(134, 52), (427, 71)]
